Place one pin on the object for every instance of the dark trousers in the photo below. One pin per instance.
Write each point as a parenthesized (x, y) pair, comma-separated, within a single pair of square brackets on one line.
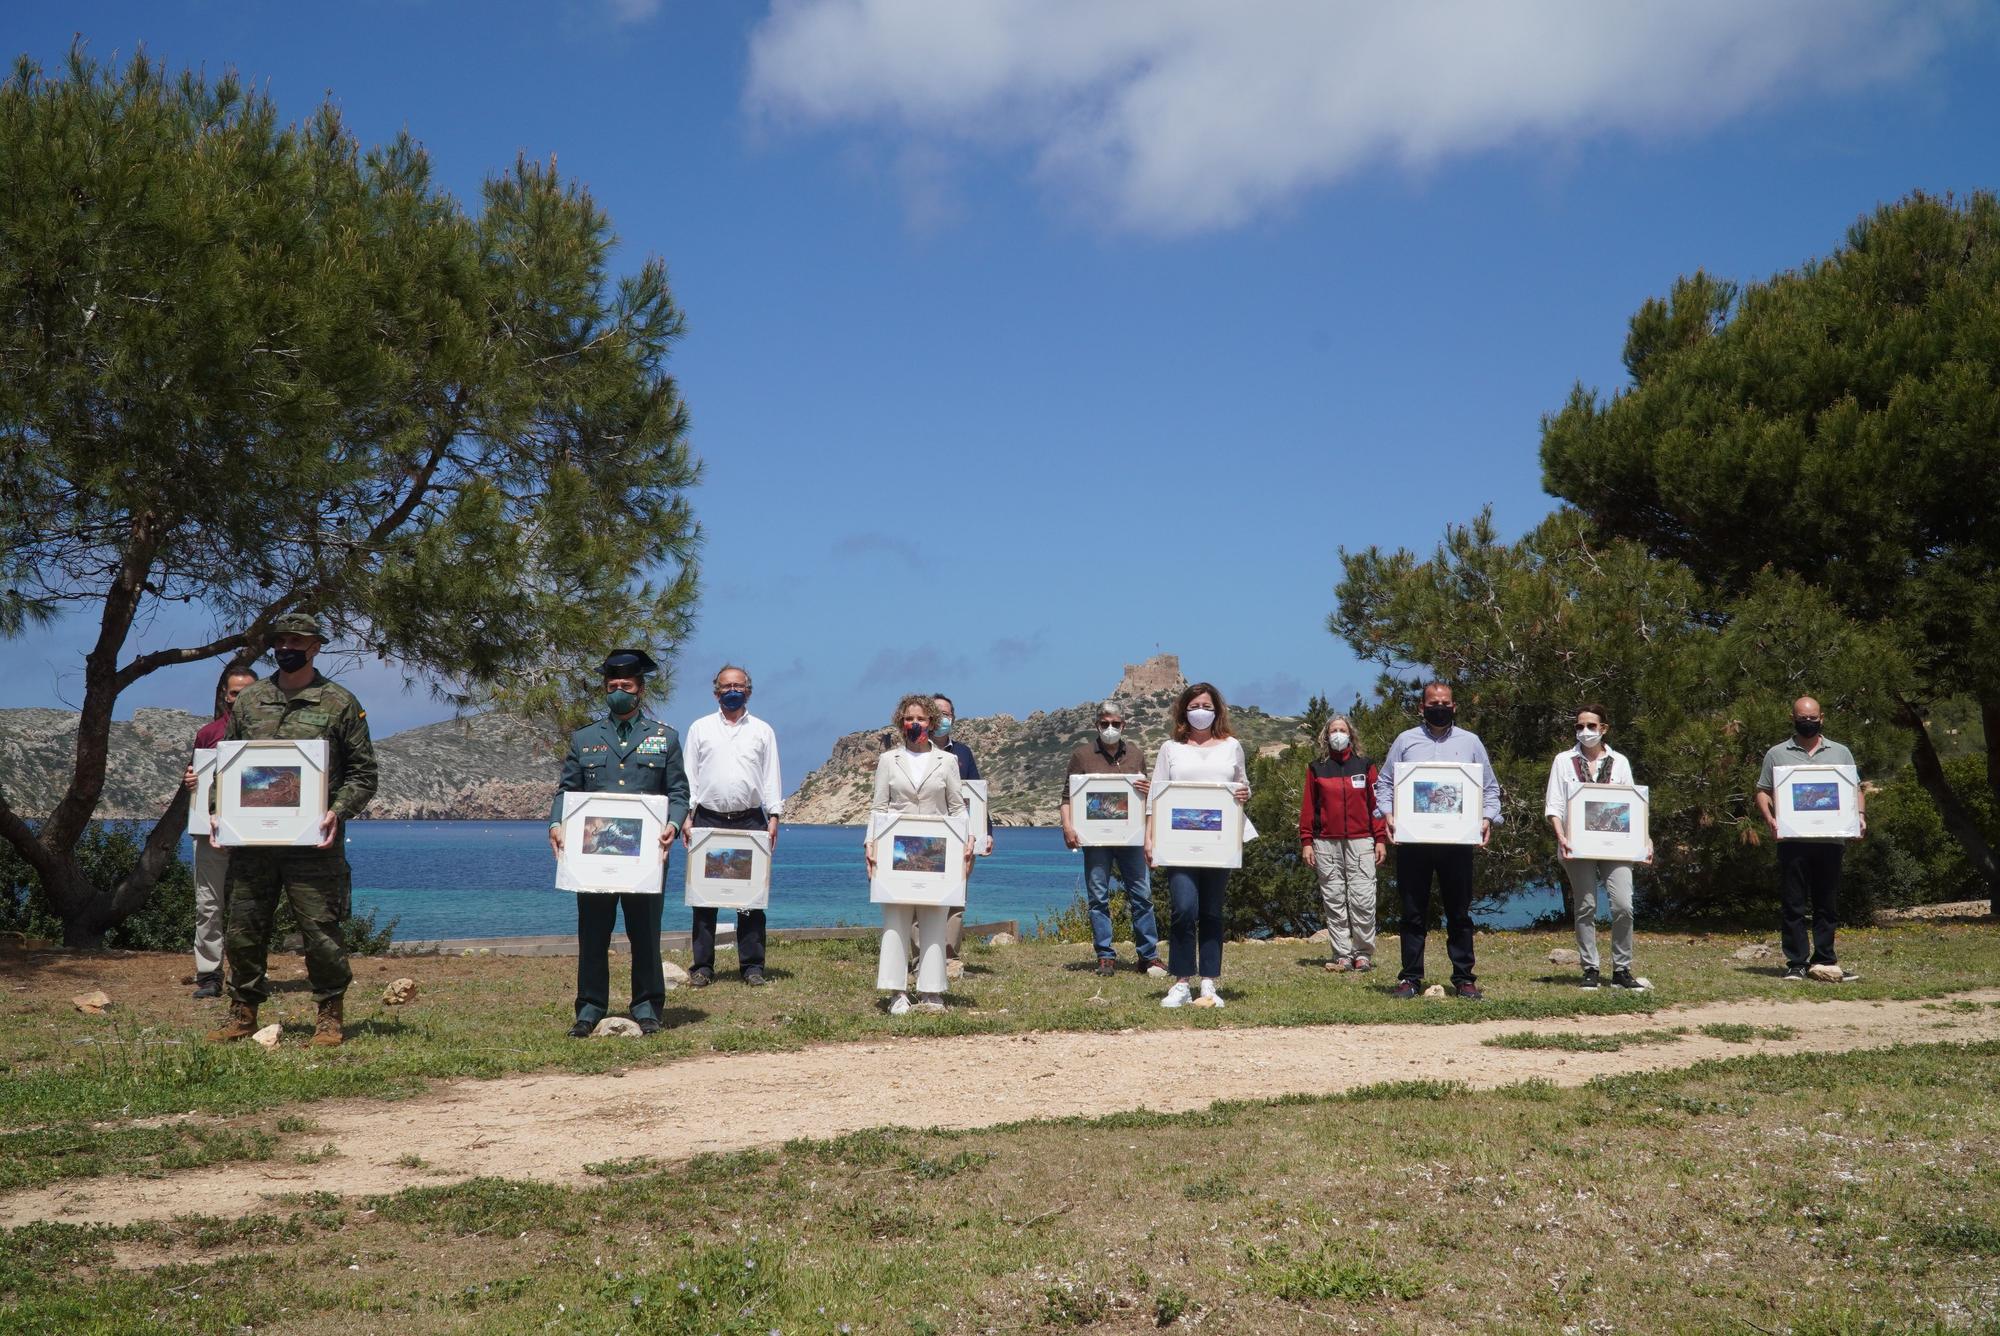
[(1194, 938), (749, 922), (320, 888), (1451, 864), (594, 917), (1809, 888)]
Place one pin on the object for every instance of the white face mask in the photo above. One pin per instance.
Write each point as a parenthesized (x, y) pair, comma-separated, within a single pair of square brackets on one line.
[(1337, 741), (1589, 737), (1109, 735), (1200, 718)]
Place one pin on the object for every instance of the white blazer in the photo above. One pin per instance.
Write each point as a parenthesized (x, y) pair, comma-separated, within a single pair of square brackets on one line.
[(935, 791)]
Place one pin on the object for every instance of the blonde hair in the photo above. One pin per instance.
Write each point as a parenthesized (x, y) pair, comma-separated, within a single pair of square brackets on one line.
[(1323, 750), (921, 698)]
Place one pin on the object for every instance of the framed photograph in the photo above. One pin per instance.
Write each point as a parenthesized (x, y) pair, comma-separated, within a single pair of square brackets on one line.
[(919, 860), (976, 792), (611, 843), (1817, 802), (728, 869), (1107, 811), (270, 792), (1609, 821), (1438, 802), (1196, 825), (204, 788)]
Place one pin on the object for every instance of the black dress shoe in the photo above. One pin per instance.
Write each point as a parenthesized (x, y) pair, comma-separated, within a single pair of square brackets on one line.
[(1407, 989), (701, 977), (648, 1025), (582, 1028), (1469, 991), (754, 976)]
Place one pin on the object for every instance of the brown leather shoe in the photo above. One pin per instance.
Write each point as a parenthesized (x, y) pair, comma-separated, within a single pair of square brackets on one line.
[(241, 1024), (326, 1030)]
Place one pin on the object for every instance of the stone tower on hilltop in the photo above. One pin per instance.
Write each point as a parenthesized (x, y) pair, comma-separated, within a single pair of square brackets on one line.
[(1162, 672)]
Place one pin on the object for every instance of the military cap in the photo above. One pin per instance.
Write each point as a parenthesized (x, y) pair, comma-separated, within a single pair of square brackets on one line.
[(629, 663), (297, 624)]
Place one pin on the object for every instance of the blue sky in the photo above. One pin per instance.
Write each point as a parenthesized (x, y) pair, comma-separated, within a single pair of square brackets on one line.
[(1028, 338)]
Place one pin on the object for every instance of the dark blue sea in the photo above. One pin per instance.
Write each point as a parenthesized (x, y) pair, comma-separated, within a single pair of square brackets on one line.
[(446, 879)]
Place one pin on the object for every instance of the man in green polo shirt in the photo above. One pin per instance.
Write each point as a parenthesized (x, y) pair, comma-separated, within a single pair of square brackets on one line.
[(1808, 869)]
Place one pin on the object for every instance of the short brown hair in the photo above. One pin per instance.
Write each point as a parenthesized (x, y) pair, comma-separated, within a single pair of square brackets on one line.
[(1181, 729), (1597, 710), (923, 698)]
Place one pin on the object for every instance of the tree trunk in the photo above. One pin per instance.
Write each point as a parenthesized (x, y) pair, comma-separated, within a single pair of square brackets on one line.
[(1989, 717), (1958, 818)]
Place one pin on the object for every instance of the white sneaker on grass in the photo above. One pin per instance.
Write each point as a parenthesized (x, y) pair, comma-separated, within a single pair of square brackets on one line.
[(899, 1005), (930, 1002), (1208, 993), (1178, 995)]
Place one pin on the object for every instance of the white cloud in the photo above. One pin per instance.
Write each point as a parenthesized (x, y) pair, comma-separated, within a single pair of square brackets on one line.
[(1179, 116), (632, 11)]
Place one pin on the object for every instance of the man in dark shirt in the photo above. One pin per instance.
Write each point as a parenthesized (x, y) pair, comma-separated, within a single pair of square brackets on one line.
[(1111, 753)]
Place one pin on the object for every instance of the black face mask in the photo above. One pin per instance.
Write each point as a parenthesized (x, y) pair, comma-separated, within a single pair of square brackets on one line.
[(1807, 728), (1440, 716), (290, 660)]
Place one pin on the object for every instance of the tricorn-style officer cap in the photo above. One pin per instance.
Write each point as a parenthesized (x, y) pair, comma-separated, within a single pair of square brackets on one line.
[(629, 663)]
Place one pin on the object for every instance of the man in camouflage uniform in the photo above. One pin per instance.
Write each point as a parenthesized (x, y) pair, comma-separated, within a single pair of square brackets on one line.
[(627, 751), (296, 702)]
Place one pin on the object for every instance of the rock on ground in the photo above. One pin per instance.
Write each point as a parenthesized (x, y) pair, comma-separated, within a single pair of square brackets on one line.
[(675, 974), (268, 1036), (1563, 955), (1435, 990), (91, 1003), (1755, 951), (1827, 973), (616, 1027), (1001, 939), (399, 992)]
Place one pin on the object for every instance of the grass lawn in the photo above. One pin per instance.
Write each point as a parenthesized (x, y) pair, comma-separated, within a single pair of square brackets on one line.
[(84, 1095), (1849, 1193)]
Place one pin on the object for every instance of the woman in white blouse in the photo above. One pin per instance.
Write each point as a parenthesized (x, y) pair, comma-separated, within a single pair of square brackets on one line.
[(1592, 761), (914, 776), (1202, 750)]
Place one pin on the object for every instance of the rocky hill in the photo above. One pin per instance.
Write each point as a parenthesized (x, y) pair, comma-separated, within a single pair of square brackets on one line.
[(1024, 759), (480, 768)]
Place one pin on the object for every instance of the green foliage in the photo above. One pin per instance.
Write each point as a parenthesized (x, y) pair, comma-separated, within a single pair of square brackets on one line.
[(1908, 857), (255, 366)]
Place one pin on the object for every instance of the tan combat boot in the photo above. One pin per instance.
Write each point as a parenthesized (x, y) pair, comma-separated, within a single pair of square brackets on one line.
[(241, 1024), (326, 1031)]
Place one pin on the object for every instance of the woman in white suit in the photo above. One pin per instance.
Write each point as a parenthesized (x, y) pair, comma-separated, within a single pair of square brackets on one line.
[(914, 776)]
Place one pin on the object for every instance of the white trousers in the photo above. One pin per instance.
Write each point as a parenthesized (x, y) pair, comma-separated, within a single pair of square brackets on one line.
[(912, 930), (211, 866)]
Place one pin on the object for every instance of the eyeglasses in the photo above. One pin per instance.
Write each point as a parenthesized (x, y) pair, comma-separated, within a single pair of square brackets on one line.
[(1111, 723)]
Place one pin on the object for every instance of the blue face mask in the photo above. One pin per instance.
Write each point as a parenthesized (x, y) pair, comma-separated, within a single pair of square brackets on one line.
[(733, 700), (621, 701)]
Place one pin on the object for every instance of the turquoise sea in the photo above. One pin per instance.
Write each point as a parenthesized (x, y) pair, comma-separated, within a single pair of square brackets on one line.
[(447, 879)]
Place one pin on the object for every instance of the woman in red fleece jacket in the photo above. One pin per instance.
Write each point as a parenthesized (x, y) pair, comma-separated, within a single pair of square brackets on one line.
[(1344, 838)]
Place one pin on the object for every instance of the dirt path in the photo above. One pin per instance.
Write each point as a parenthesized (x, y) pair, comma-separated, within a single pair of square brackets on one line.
[(548, 1127)]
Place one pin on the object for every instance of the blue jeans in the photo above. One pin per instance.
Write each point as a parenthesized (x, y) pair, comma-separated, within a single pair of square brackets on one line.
[(1194, 944), (1131, 863)]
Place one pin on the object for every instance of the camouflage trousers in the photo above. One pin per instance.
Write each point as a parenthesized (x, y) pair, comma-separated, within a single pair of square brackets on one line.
[(319, 886)]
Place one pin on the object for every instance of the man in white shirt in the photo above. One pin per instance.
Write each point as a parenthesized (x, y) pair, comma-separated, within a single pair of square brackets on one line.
[(733, 783)]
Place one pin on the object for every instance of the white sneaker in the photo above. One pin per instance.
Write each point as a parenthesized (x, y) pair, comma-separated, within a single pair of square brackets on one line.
[(1209, 995), (930, 1002), (899, 1005), (1178, 995)]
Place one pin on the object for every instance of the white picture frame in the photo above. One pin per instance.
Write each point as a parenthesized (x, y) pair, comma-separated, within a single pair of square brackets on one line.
[(919, 860), (1196, 823), (270, 792), (1105, 830), (977, 793), (205, 759), (1439, 802), (611, 844), (1817, 802), (1609, 821), (728, 869)]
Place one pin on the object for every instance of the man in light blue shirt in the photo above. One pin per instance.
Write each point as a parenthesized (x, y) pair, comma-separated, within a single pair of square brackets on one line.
[(1438, 739)]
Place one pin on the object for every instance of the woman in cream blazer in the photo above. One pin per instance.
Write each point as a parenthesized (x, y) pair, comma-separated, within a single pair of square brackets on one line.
[(914, 776)]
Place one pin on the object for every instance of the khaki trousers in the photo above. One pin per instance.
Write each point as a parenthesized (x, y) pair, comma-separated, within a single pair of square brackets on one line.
[(1347, 888)]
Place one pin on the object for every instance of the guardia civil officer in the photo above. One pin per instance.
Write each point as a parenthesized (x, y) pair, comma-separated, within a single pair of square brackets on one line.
[(627, 751), (297, 702)]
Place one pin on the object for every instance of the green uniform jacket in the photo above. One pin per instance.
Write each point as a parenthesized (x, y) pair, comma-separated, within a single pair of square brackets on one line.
[(320, 709), (648, 761)]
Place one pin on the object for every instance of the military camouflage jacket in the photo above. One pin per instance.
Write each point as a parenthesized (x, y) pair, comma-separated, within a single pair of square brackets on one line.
[(320, 709), (648, 760)]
